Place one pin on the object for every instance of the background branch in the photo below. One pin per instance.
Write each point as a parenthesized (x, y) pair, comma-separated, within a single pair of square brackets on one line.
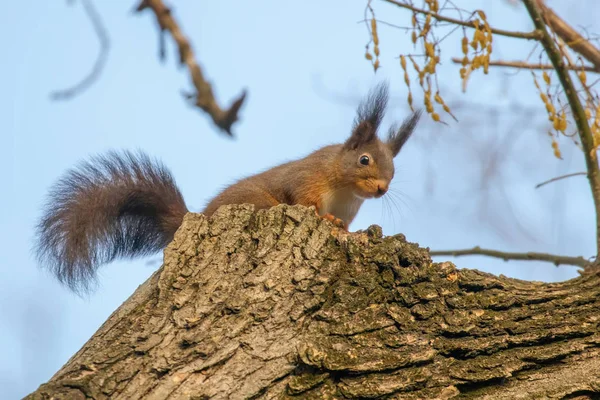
[(534, 35), (204, 97), (100, 30), (524, 65), (585, 134), (571, 37), (558, 178), (506, 256)]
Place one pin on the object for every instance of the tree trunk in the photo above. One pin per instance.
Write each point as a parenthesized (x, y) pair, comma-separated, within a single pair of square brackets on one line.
[(279, 303)]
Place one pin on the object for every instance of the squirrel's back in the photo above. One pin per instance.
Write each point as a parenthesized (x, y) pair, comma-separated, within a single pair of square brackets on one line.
[(294, 182)]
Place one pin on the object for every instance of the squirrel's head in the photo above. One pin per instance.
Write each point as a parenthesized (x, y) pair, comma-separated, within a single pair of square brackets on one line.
[(368, 161)]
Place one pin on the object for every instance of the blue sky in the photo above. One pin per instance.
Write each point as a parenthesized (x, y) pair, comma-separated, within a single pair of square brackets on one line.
[(303, 65)]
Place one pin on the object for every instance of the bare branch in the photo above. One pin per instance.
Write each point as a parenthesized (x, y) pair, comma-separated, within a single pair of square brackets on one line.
[(571, 37), (524, 65), (204, 98), (506, 256), (98, 25), (558, 178), (534, 35), (583, 128)]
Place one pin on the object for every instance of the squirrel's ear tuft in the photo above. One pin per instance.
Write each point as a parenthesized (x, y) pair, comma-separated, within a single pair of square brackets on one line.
[(397, 137), (373, 107), (368, 116)]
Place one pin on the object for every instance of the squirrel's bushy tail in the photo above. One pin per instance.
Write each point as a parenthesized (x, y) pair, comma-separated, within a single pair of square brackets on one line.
[(120, 204)]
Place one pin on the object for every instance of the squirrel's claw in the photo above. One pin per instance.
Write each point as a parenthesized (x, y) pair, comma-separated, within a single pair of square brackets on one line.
[(336, 221)]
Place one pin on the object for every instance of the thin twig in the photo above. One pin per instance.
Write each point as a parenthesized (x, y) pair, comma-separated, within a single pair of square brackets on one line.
[(524, 65), (381, 22), (583, 128), (506, 256), (204, 97), (571, 37), (534, 35), (100, 30), (558, 178)]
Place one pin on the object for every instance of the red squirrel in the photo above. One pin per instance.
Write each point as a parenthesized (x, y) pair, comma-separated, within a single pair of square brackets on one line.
[(123, 204)]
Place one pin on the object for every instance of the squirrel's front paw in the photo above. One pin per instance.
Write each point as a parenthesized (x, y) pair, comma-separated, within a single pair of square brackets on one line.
[(336, 221)]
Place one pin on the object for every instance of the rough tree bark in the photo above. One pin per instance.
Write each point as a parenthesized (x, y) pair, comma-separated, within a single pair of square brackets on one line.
[(279, 303)]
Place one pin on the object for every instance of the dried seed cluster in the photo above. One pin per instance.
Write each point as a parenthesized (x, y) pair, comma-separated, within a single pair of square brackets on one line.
[(422, 35), (476, 52), (375, 39), (592, 109), (558, 112), (594, 121), (558, 119), (479, 47)]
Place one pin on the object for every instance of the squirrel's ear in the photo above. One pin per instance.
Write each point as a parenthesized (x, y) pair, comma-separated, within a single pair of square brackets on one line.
[(368, 116), (397, 137), (362, 134)]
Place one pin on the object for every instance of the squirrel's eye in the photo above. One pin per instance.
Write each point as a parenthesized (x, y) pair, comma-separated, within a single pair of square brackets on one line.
[(364, 160)]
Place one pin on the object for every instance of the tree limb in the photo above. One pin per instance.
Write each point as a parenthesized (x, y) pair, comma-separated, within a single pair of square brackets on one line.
[(524, 65), (280, 304), (100, 30), (204, 98), (571, 37), (534, 35), (506, 256), (583, 128)]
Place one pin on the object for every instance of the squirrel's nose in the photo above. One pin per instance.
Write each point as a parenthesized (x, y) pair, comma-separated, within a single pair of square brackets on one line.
[(382, 188)]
